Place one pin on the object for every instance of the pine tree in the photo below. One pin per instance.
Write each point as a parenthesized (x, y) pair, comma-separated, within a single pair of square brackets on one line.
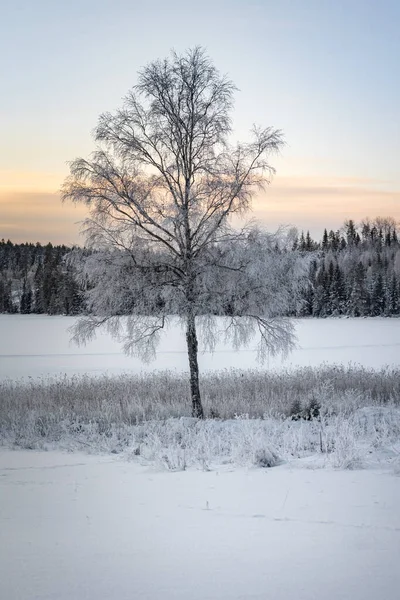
[(309, 244), (302, 242), (26, 298), (378, 296), (351, 233), (392, 302), (325, 240), (357, 301), (6, 303), (366, 232), (330, 291), (38, 300), (337, 292), (321, 293)]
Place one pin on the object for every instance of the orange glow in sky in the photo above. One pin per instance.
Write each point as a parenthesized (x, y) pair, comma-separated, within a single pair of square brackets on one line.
[(31, 209), (323, 72)]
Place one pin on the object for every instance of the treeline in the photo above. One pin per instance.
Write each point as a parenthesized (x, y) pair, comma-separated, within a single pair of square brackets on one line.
[(354, 271), (36, 279)]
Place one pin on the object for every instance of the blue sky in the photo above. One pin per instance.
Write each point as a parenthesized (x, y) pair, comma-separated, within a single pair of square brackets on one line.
[(326, 72)]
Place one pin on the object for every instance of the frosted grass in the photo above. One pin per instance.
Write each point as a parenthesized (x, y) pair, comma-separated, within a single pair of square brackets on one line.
[(253, 418)]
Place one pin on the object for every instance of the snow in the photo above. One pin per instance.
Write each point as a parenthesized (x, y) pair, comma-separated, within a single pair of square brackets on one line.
[(98, 527), (74, 526), (40, 345)]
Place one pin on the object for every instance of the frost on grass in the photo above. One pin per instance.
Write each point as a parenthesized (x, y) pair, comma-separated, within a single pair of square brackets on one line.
[(346, 417), (181, 443)]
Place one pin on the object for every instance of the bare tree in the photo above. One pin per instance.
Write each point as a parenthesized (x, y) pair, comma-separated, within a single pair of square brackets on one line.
[(161, 187)]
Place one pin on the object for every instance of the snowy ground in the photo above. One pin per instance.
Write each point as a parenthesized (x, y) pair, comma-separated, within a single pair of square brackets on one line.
[(39, 345), (83, 528)]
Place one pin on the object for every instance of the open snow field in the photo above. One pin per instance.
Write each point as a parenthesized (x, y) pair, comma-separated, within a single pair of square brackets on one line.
[(34, 345), (97, 528)]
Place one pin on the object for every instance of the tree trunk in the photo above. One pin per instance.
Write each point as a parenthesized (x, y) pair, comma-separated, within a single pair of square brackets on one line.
[(192, 346)]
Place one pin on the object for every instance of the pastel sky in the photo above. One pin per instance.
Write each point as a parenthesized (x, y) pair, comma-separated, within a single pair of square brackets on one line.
[(324, 71)]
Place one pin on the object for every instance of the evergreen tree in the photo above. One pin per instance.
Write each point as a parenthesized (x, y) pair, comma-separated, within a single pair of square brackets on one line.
[(325, 240), (321, 293), (38, 299), (351, 233), (6, 303), (392, 302), (309, 243), (357, 297), (302, 242), (26, 298), (337, 292), (378, 296)]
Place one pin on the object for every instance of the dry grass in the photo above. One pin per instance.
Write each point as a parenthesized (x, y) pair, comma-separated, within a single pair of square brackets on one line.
[(226, 394)]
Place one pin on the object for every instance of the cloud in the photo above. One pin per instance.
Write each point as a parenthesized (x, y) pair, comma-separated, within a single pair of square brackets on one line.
[(39, 217), (13, 181), (308, 203), (316, 203)]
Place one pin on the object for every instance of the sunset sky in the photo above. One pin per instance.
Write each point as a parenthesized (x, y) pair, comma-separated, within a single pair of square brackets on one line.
[(324, 71)]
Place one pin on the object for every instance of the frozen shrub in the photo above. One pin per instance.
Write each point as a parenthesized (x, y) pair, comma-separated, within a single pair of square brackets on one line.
[(296, 410), (308, 412), (312, 409), (265, 457), (346, 453)]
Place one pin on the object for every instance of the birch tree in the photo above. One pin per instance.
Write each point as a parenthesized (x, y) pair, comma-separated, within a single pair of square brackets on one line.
[(161, 187)]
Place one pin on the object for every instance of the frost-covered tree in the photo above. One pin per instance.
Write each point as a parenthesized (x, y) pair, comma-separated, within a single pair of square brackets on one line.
[(160, 189)]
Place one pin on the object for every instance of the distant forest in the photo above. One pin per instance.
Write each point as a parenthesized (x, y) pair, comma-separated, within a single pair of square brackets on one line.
[(354, 271), (36, 279)]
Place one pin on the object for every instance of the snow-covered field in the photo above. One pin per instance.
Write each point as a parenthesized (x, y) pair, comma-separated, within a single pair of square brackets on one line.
[(129, 526), (83, 528), (36, 345)]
